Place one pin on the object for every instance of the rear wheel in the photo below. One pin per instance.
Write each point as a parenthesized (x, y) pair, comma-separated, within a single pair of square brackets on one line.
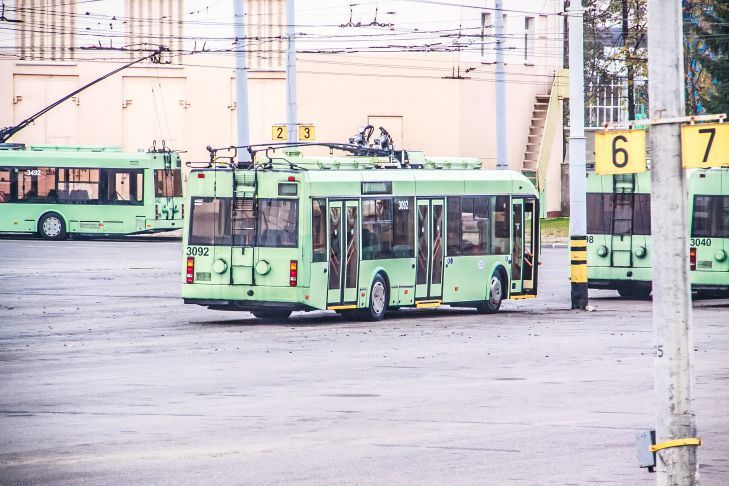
[(52, 227), (635, 291), (496, 296), (271, 314), (375, 311)]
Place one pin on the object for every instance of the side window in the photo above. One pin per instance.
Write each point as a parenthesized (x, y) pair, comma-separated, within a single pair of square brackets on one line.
[(37, 185), (403, 228), (4, 185), (78, 186), (454, 226), (319, 230), (376, 228), (500, 206), (123, 186), (474, 240), (168, 183)]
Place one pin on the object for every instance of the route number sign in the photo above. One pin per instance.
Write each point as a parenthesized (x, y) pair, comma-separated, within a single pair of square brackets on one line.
[(306, 133), (705, 145), (620, 152), (279, 133)]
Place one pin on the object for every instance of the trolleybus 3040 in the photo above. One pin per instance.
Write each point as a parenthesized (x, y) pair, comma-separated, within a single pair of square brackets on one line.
[(619, 232), (56, 191), (358, 235)]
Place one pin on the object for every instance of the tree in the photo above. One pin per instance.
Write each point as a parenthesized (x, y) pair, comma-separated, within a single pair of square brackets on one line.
[(708, 69)]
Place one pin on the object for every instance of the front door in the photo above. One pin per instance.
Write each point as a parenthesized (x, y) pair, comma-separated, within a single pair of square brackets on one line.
[(429, 271), (525, 245), (343, 230)]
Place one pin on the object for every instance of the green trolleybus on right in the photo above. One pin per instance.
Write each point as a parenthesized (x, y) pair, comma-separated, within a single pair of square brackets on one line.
[(619, 253), (59, 190), (358, 235)]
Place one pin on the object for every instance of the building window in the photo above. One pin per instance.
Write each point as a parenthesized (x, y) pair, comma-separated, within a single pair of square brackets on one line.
[(487, 35), (529, 40), (266, 34), (47, 31)]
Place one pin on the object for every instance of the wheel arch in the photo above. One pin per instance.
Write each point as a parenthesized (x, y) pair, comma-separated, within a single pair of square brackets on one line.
[(499, 269), (380, 271), (46, 212)]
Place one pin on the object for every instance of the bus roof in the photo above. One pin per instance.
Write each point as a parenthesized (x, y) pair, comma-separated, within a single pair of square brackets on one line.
[(81, 156)]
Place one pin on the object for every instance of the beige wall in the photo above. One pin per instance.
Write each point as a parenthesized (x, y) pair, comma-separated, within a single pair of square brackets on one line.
[(191, 106)]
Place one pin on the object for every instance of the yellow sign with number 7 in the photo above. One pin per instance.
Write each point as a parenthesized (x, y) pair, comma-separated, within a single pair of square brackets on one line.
[(705, 145), (620, 152)]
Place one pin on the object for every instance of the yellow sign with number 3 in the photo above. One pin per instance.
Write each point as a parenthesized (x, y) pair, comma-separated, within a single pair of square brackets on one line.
[(306, 133), (620, 152), (705, 145)]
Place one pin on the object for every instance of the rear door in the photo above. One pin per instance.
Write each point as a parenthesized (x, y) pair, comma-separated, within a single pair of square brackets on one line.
[(343, 241)]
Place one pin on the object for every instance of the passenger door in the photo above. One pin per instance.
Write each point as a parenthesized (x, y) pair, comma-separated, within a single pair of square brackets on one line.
[(429, 265), (525, 245), (343, 230), (517, 244)]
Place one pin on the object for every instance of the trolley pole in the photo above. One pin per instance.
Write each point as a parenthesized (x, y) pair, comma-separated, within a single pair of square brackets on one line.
[(578, 210), (291, 72), (241, 80), (502, 155), (673, 361)]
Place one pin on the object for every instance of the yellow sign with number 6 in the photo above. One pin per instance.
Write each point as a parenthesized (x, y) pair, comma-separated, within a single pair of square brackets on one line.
[(306, 133), (620, 152), (705, 145)]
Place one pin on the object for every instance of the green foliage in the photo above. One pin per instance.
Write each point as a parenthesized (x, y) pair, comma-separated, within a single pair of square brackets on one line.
[(711, 24)]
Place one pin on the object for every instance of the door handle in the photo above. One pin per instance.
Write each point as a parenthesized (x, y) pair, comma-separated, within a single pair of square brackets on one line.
[(413, 266)]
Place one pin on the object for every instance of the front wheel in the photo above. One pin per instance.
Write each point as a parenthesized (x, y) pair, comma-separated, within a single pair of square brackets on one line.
[(496, 296), (271, 314), (52, 227), (635, 291), (375, 311)]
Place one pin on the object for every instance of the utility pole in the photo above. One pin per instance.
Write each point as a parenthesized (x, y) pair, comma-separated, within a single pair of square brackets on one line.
[(502, 156), (241, 80), (673, 362), (291, 72), (578, 177)]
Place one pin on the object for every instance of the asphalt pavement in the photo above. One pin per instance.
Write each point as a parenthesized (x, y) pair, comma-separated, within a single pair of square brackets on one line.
[(108, 378)]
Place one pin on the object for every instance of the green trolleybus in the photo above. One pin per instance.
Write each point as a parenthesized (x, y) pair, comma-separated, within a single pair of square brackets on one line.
[(358, 235), (56, 191), (619, 254)]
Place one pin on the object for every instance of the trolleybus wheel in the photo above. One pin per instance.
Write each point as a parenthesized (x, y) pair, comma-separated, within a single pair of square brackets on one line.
[(52, 227), (496, 295), (635, 291), (375, 311), (271, 314)]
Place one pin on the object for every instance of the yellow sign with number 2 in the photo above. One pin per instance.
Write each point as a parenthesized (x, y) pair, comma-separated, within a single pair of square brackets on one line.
[(620, 152), (705, 145)]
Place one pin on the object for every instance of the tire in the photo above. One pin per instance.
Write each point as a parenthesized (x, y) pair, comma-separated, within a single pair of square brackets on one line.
[(52, 227), (634, 291), (271, 314), (375, 311), (496, 295)]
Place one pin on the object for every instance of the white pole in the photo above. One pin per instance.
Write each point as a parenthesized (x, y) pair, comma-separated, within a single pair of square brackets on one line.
[(673, 360), (241, 80), (291, 123), (578, 210), (502, 156)]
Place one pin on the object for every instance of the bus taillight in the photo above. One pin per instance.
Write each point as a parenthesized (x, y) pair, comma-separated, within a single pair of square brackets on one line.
[(692, 258), (190, 270), (293, 273)]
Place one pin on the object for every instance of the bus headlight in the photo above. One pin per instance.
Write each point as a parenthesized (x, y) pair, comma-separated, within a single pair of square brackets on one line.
[(602, 251), (720, 256), (640, 252)]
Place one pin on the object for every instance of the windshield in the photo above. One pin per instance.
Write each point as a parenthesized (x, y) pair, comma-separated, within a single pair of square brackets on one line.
[(167, 183)]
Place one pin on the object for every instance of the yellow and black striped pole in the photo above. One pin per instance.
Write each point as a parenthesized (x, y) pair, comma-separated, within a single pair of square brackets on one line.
[(578, 271)]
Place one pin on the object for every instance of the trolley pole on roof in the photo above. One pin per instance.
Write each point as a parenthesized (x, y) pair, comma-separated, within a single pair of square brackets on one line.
[(502, 156), (291, 72), (673, 357), (241, 80), (578, 210)]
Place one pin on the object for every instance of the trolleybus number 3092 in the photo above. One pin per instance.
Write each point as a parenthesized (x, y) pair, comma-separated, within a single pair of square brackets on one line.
[(197, 251)]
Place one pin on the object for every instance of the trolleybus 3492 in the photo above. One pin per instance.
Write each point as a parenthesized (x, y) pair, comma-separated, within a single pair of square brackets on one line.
[(56, 191), (619, 250), (358, 235)]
